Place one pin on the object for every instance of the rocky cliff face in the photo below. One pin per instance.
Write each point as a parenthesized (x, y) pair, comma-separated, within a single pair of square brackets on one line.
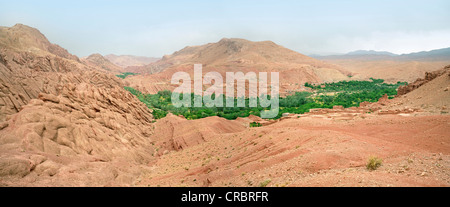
[(429, 76), (60, 116), (24, 38), (82, 121), (23, 75)]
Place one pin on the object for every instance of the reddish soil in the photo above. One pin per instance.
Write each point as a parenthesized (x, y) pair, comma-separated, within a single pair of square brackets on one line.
[(67, 122), (310, 151)]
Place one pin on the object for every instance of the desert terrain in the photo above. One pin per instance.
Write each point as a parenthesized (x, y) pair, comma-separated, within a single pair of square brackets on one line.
[(232, 55), (68, 121), (130, 60), (390, 67)]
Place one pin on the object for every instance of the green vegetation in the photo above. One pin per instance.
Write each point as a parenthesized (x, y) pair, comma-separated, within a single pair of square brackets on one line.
[(158, 113), (124, 75), (374, 163), (327, 95), (374, 85), (255, 124), (265, 183), (161, 103)]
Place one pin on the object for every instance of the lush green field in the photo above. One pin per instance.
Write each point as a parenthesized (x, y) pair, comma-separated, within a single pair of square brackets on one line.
[(356, 86), (124, 75), (344, 93)]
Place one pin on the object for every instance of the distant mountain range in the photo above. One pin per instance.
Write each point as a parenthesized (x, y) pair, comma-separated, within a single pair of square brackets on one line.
[(130, 60), (238, 55), (370, 52), (438, 54)]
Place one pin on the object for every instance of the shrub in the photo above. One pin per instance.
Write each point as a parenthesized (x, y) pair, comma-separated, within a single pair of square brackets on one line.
[(158, 114), (326, 95), (255, 124), (374, 163), (265, 183), (124, 75)]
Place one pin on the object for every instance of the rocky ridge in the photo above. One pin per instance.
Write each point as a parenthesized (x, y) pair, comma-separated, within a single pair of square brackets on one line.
[(62, 118)]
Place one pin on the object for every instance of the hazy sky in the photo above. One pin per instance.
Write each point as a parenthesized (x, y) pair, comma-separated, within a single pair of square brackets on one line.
[(156, 28)]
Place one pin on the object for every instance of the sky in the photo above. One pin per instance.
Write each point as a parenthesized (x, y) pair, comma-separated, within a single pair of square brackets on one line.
[(157, 28)]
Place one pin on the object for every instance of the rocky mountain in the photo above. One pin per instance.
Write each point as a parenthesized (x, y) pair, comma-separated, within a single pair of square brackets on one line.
[(233, 55), (30, 64), (359, 54), (235, 52), (67, 122), (430, 93), (130, 60), (61, 117), (433, 55), (98, 60), (429, 76), (392, 68), (27, 39), (370, 52)]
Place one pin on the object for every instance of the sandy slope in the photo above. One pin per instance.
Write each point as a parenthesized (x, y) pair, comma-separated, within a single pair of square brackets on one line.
[(65, 123), (316, 152), (389, 70), (130, 60), (328, 149), (238, 55), (432, 97)]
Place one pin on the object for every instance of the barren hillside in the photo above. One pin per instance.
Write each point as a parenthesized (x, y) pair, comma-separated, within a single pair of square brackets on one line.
[(391, 67), (429, 94), (389, 70), (232, 55), (315, 152), (98, 60), (130, 60), (63, 122)]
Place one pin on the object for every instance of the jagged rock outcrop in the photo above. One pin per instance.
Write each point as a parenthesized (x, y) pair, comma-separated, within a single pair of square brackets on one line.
[(24, 38), (428, 95), (23, 75), (30, 64), (83, 119), (61, 118), (429, 76)]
